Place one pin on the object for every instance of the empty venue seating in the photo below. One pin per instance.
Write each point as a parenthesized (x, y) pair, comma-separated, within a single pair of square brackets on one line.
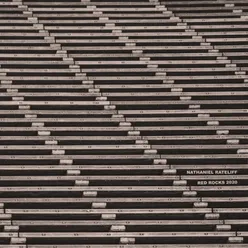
[(124, 124)]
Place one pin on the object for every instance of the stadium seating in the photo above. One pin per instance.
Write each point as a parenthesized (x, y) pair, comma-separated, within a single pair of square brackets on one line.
[(123, 124)]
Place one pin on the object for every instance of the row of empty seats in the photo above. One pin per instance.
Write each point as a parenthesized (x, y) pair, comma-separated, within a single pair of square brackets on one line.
[(123, 123)]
